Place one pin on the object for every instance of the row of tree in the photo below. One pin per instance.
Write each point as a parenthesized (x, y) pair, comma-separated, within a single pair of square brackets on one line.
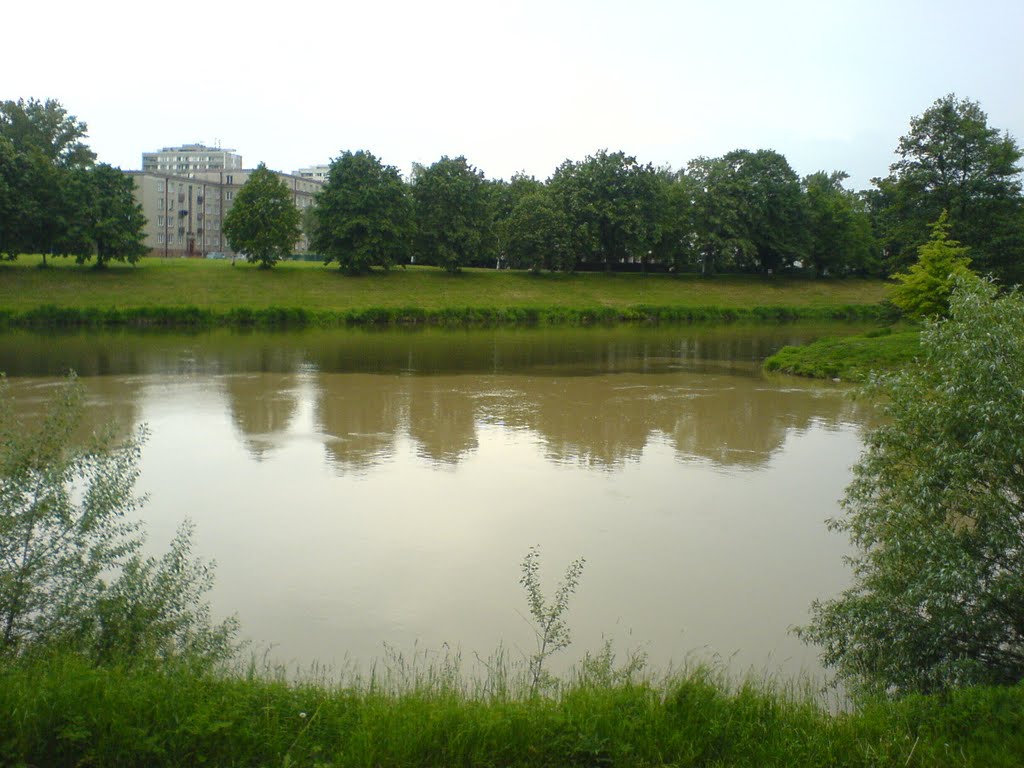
[(54, 198), (745, 211)]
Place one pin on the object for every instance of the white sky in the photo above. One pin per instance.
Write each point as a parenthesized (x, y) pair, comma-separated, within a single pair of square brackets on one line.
[(518, 84)]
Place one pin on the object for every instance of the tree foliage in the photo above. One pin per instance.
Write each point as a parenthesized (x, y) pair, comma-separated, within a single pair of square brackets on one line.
[(838, 224), (46, 127), (263, 222), (924, 289), (537, 235), (609, 200), (71, 569), (112, 220), (53, 198), (936, 514), (674, 221), (452, 212), (952, 160), (363, 214)]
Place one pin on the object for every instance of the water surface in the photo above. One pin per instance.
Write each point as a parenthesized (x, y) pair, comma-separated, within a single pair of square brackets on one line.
[(361, 488)]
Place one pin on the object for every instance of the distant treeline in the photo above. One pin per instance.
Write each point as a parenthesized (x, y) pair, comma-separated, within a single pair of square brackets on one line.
[(746, 211)]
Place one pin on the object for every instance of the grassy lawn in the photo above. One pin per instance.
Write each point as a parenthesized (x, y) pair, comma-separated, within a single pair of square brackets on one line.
[(216, 285)]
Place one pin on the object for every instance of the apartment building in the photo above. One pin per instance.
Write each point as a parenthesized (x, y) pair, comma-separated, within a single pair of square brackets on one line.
[(315, 172), (185, 211), (191, 158)]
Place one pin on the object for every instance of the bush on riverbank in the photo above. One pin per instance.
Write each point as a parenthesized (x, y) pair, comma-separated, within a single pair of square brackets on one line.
[(850, 358), (62, 711)]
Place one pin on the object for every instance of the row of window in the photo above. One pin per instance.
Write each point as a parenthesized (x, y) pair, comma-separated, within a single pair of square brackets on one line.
[(180, 239)]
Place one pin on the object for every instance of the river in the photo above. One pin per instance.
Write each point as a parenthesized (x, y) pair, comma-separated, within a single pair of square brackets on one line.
[(362, 488)]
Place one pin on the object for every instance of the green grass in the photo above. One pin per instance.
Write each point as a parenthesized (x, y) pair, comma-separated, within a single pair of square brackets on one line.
[(209, 292), (850, 358), (64, 712)]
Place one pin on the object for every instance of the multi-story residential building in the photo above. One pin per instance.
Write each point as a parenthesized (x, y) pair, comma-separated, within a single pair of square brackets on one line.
[(190, 158), (185, 212), (315, 172)]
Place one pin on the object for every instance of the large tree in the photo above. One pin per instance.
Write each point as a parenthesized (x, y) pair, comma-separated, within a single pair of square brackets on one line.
[(452, 210), (43, 163), (838, 225), (610, 200), (935, 514), (263, 222), (675, 221), (45, 126), (363, 214), (113, 221), (536, 233), (952, 160), (721, 240), (766, 192)]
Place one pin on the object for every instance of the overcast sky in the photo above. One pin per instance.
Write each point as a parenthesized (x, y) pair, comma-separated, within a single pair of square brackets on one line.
[(515, 85)]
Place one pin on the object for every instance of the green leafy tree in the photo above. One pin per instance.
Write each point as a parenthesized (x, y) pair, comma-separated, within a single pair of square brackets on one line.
[(263, 222), (610, 201), (42, 162), (109, 218), (838, 224), (721, 239), (505, 195), (46, 127), (15, 207), (675, 221), (453, 212), (935, 514), (71, 572), (765, 193), (363, 215), (952, 160), (537, 234), (925, 288)]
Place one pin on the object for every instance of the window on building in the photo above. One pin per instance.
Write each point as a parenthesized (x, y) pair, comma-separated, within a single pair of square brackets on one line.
[(160, 220), (229, 179), (229, 195)]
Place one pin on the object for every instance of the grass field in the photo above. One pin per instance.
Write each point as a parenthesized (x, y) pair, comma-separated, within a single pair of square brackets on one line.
[(64, 711), (218, 286)]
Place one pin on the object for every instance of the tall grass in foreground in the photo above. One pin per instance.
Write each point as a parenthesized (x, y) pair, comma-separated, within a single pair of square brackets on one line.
[(61, 711)]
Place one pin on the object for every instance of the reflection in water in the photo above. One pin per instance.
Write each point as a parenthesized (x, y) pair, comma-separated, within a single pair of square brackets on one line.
[(261, 412), (312, 464), (360, 419)]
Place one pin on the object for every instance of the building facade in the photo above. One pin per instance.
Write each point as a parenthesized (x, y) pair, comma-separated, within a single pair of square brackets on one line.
[(314, 172), (191, 158), (185, 212)]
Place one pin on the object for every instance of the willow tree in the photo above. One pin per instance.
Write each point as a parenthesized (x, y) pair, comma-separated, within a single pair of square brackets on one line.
[(935, 514)]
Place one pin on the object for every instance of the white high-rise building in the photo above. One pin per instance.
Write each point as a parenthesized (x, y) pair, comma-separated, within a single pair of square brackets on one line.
[(315, 172), (191, 158)]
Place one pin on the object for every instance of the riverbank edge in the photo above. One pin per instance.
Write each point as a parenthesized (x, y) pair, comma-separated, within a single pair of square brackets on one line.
[(65, 711), (848, 358), (275, 317)]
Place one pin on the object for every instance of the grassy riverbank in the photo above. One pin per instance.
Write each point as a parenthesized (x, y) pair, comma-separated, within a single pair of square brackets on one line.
[(850, 358), (191, 292), (65, 713)]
